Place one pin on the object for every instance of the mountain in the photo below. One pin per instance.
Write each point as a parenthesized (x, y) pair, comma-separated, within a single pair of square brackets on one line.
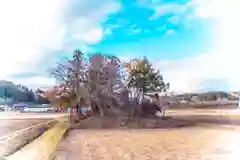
[(20, 93), (7, 89)]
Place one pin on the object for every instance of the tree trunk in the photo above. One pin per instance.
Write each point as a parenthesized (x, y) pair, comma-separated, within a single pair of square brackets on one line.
[(77, 78), (101, 107)]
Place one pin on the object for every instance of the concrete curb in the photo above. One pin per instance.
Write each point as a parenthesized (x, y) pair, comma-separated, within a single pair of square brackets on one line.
[(44, 146), (12, 142)]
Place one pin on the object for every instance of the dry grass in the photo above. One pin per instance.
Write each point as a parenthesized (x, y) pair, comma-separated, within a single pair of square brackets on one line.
[(171, 143), (174, 144)]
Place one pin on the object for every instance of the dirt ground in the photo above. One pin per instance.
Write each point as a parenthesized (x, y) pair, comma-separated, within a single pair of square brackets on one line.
[(181, 141), (193, 143)]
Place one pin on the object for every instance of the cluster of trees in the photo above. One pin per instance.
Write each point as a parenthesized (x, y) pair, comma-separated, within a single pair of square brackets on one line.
[(104, 81)]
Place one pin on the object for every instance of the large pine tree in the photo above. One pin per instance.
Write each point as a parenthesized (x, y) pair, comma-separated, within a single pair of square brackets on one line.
[(144, 78)]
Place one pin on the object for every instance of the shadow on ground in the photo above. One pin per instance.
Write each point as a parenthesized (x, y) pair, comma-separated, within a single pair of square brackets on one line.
[(143, 123), (167, 122)]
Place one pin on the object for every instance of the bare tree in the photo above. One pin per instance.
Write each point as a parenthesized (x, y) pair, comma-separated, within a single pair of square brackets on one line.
[(106, 79), (98, 80)]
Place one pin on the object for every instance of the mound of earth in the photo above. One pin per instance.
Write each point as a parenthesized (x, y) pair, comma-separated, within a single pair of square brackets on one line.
[(97, 122)]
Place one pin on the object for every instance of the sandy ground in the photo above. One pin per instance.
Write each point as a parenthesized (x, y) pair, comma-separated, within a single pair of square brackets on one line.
[(191, 142)]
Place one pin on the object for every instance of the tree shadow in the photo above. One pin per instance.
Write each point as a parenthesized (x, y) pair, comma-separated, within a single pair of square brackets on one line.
[(167, 122)]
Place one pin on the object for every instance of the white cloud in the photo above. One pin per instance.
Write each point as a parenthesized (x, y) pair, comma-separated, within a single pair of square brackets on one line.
[(222, 63), (169, 8), (86, 31), (174, 19), (36, 81), (31, 30), (173, 8), (108, 31), (86, 28), (170, 31), (134, 31), (26, 28)]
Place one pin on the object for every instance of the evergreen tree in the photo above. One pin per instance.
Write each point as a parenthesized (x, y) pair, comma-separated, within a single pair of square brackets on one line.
[(143, 78)]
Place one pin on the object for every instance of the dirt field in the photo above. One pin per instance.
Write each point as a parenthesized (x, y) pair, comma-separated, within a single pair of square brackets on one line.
[(194, 142), (173, 144)]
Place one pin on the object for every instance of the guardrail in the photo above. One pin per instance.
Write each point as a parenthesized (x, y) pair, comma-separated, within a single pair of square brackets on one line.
[(44, 146)]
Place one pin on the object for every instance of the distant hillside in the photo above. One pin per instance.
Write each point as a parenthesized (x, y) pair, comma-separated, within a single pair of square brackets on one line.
[(16, 93), (8, 88), (207, 96)]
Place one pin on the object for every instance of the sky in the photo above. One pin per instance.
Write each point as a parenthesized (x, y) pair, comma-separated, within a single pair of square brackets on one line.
[(194, 43)]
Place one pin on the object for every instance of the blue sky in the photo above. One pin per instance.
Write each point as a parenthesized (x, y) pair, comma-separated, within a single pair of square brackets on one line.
[(194, 43), (132, 31)]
